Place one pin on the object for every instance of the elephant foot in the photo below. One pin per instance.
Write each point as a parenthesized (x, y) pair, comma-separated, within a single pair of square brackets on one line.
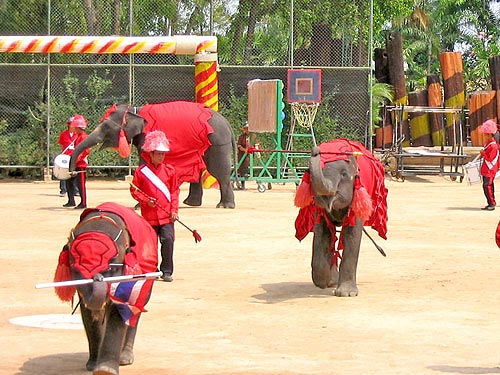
[(191, 202), (91, 363), (226, 205), (346, 290), (332, 283), (127, 357), (105, 369)]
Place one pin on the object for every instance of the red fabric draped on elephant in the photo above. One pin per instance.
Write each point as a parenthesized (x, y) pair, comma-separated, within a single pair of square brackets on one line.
[(199, 137), (343, 188), (109, 240)]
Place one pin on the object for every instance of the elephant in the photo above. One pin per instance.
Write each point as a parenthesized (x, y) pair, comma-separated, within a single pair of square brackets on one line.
[(198, 135), (343, 187), (109, 240)]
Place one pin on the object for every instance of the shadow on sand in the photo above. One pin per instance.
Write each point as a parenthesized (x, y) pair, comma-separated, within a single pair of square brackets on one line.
[(279, 292), (56, 364), (465, 370)]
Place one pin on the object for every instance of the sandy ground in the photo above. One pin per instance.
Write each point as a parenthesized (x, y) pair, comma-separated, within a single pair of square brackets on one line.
[(242, 300)]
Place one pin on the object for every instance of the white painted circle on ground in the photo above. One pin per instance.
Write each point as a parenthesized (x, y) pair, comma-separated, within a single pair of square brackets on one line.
[(52, 321)]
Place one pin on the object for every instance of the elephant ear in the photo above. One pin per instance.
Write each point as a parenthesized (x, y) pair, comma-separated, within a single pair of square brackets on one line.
[(304, 194), (63, 273), (361, 205)]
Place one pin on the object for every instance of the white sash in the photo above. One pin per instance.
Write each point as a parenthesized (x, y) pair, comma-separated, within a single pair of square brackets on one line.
[(155, 180), (491, 164)]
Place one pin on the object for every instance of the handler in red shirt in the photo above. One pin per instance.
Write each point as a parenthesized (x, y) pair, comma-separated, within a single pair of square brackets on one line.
[(489, 167), (66, 140), (79, 179), (156, 188)]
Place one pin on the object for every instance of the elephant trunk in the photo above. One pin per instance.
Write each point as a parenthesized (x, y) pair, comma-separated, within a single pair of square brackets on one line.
[(94, 138), (320, 184), (95, 296)]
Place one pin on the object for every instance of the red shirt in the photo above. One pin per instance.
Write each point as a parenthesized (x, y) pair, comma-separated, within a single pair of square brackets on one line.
[(69, 141), (490, 155), (160, 213)]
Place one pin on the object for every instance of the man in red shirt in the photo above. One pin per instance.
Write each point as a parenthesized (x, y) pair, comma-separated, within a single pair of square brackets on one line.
[(79, 179), (156, 188), (489, 167), (67, 142)]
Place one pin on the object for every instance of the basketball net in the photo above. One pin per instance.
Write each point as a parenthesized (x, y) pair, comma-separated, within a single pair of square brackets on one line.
[(304, 114)]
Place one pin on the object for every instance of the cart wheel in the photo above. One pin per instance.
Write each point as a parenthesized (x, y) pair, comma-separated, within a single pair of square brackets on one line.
[(461, 179), (453, 178), (260, 187), (269, 186)]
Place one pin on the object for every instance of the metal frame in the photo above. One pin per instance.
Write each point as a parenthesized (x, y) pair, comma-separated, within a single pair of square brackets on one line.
[(450, 158)]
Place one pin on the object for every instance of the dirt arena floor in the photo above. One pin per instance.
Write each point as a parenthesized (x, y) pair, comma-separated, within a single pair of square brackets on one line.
[(242, 300)]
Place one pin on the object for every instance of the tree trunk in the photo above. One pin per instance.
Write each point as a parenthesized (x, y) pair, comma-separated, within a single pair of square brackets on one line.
[(394, 46), (481, 108), (381, 65), (321, 45), (252, 20), (419, 121), (116, 17), (435, 99), (494, 63), (238, 27), (453, 78), (90, 16)]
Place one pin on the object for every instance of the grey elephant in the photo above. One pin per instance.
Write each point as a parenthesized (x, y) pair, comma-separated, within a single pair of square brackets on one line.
[(198, 135), (343, 188), (109, 240)]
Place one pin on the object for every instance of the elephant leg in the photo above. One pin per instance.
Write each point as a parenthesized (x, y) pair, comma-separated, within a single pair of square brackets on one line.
[(348, 266), (112, 342), (323, 273), (127, 354), (218, 160), (195, 195), (226, 194), (93, 329)]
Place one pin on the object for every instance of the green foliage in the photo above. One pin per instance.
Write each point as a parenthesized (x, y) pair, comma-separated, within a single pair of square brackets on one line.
[(28, 144), (433, 26), (381, 93), (476, 66)]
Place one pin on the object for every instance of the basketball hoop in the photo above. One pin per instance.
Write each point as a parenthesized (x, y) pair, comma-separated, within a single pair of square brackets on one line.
[(304, 113), (304, 96)]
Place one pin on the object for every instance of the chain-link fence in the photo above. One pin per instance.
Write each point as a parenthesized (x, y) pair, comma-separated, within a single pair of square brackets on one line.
[(39, 91)]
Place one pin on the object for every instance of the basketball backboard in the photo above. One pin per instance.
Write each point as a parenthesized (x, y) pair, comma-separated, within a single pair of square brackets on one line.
[(304, 86)]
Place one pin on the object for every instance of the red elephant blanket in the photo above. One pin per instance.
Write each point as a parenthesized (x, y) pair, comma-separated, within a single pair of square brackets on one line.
[(371, 177), (131, 297), (186, 126), (92, 252)]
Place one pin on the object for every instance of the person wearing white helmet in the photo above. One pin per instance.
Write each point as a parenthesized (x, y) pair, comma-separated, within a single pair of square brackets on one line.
[(79, 123), (156, 188)]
